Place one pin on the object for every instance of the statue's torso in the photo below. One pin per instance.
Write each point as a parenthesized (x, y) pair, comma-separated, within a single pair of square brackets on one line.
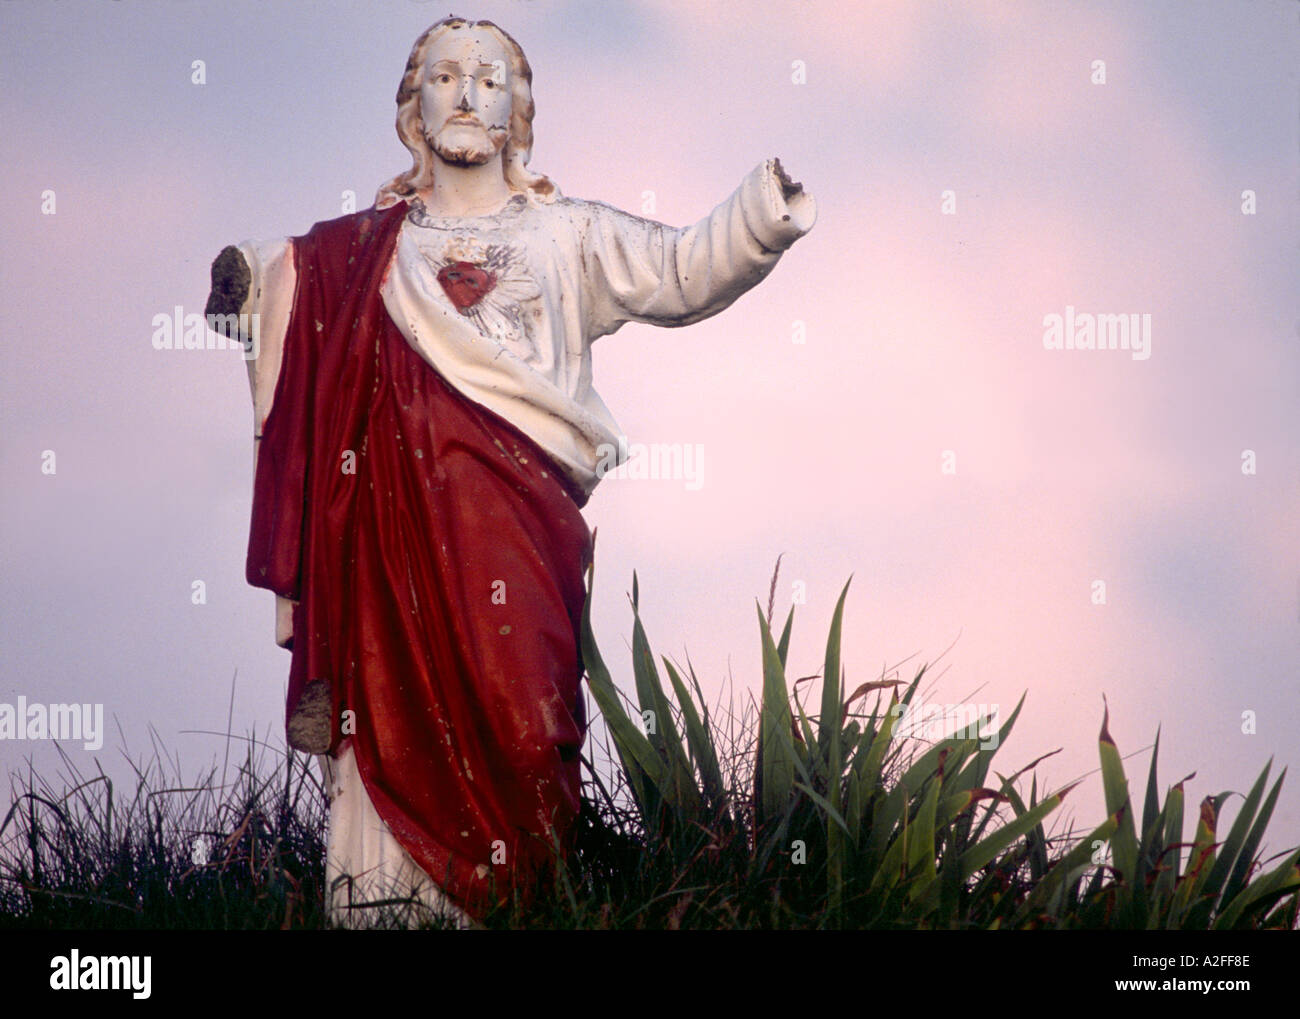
[(524, 290), (501, 304)]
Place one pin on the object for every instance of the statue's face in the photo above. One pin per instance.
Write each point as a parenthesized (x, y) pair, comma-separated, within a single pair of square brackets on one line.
[(465, 98)]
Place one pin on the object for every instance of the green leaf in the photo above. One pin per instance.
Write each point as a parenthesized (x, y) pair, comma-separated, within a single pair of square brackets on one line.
[(640, 761), (1035, 838), (678, 782), (831, 713), (984, 852), (1080, 855), (921, 853), (783, 646), (1199, 862), (1115, 785), (1260, 894), (1236, 839), (697, 733), (1151, 806), (1246, 858), (1170, 862), (776, 742)]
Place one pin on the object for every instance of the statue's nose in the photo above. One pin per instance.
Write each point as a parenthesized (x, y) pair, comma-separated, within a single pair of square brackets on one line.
[(464, 98)]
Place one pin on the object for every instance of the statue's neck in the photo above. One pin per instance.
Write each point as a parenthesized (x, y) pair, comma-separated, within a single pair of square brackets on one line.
[(467, 190)]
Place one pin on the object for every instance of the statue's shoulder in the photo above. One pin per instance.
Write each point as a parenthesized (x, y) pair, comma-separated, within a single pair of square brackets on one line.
[(591, 212), (582, 206), (355, 227)]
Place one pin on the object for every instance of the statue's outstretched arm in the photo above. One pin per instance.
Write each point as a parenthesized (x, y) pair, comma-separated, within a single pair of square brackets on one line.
[(789, 188), (638, 270)]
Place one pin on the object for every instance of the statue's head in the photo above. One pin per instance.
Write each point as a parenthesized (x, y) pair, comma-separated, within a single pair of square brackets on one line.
[(431, 89)]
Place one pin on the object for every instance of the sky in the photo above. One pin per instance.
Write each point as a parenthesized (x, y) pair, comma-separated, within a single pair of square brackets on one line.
[(1084, 527)]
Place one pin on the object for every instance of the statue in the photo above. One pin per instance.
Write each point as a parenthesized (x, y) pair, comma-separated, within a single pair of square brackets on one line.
[(426, 433)]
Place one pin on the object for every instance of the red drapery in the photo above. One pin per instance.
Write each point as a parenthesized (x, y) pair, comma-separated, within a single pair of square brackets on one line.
[(440, 584)]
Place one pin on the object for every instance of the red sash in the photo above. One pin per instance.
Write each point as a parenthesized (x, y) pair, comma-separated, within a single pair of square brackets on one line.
[(440, 583)]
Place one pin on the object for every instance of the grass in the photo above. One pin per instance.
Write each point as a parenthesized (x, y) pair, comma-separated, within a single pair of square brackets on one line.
[(247, 853), (767, 817)]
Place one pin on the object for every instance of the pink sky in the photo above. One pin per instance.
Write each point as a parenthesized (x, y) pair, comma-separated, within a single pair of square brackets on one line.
[(923, 334)]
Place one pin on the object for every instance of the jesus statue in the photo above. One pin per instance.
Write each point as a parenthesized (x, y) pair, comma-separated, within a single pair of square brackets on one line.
[(426, 433)]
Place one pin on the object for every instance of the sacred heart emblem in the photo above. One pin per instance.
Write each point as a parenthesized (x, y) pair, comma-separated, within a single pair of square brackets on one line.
[(466, 283), (490, 285)]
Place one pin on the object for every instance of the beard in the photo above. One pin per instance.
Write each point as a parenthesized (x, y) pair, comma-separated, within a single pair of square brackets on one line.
[(486, 144)]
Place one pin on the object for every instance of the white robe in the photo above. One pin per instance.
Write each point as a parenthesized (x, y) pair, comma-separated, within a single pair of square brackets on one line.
[(565, 274)]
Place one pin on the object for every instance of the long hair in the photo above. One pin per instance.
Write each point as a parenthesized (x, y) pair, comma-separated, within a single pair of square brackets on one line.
[(410, 125)]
